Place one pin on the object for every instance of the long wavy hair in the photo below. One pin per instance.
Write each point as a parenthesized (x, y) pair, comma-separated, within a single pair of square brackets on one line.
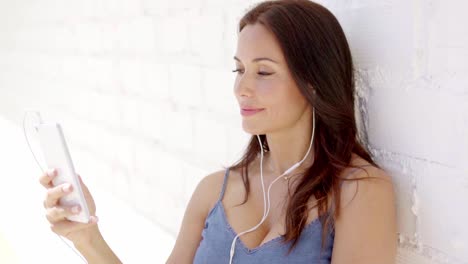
[(318, 57)]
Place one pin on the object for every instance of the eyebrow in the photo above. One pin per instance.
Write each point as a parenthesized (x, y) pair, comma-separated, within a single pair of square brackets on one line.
[(258, 59)]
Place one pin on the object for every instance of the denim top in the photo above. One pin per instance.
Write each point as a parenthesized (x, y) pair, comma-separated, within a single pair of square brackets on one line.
[(217, 236)]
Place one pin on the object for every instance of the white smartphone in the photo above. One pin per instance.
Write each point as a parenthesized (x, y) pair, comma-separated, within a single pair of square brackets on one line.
[(56, 155)]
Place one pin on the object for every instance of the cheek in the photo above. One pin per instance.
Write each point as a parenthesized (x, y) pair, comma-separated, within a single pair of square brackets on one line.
[(274, 92), (284, 105), (270, 92), (267, 87)]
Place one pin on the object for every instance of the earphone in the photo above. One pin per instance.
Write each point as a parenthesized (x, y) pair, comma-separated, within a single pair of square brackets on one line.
[(266, 200)]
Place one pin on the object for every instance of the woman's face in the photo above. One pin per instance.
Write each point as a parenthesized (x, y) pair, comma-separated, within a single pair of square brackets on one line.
[(265, 84)]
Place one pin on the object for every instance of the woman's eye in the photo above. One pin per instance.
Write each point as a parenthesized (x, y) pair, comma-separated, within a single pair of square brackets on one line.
[(260, 73), (265, 73)]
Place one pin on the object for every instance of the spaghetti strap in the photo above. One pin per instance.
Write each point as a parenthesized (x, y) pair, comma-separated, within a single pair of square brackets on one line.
[(223, 189)]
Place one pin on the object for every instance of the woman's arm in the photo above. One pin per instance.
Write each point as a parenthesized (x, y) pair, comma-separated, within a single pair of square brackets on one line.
[(366, 229), (189, 237), (97, 251)]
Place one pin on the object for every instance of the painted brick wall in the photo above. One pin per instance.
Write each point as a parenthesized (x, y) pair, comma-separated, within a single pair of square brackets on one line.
[(144, 92), (413, 103)]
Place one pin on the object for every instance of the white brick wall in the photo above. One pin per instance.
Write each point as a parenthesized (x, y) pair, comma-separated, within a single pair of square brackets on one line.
[(144, 91), (414, 104)]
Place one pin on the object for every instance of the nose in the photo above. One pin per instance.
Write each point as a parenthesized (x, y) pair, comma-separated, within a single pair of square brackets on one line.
[(243, 87)]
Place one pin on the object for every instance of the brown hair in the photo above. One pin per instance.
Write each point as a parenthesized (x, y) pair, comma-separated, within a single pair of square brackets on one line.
[(318, 57)]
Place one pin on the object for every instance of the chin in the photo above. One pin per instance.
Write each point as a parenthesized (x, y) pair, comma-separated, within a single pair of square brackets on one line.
[(253, 129)]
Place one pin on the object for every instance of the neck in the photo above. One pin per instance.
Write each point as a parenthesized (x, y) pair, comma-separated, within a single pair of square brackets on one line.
[(287, 148)]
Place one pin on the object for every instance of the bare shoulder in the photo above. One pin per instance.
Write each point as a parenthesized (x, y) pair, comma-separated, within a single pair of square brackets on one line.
[(368, 180), (366, 227), (203, 198), (209, 189)]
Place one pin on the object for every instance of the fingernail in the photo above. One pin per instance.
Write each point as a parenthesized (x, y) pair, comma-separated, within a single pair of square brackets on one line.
[(51, 172), (67, 187), (75, 209)]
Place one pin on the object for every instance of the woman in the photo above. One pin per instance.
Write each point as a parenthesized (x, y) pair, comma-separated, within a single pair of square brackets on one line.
[(295, 88)]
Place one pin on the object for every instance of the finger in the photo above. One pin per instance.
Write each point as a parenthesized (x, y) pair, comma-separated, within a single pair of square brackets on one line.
[(64, 228), (55, 193), (59, 213), (46, 178)]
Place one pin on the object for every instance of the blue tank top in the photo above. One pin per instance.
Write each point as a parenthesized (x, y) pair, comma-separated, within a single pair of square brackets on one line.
[(217, 236)]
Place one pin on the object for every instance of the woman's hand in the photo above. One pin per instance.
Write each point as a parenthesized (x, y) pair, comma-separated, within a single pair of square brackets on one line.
[(76, 232)]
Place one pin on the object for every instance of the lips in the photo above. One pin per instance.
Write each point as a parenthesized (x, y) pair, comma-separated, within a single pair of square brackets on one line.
[(250, 111)]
